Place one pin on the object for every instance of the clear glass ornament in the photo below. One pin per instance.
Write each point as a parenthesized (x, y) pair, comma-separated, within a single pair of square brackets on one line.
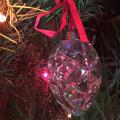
[(75, 75)]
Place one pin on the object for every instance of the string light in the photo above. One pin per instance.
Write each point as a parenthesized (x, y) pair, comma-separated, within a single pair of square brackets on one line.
[(69, 115), (45, 75), (2, 18)]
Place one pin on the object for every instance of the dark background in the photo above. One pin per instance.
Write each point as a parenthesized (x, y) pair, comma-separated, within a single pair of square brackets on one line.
[(112, 6)]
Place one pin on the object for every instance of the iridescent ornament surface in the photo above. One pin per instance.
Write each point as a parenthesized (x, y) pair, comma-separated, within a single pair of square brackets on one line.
[(75, 75)]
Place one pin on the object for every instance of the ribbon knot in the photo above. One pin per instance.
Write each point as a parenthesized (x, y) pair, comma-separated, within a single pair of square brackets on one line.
[(65, 4), (57, 1)]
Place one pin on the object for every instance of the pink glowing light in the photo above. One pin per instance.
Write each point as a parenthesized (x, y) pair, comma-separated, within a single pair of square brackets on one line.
[(45, 75), (42, 79)]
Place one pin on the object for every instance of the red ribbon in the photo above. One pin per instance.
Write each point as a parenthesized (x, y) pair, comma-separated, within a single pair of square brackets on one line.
[(57, 1), (65, 4)]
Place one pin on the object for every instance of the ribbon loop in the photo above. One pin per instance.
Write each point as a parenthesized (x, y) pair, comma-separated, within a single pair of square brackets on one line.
[(51, 33), (65, 4)]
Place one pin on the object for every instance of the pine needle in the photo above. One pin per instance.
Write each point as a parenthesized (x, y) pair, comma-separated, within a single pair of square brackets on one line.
[(7, 38), (16, 32), (28, 7), (7, 49)]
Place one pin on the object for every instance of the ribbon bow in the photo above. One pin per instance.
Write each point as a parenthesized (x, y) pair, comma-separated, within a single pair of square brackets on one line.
[(65, 4)]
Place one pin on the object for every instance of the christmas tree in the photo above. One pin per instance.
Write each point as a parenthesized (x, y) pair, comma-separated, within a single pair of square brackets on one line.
[(24, 54)]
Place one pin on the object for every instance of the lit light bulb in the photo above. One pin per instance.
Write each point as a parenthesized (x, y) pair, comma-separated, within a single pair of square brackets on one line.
[(69, 115), (82, 71), (45, 75), (2, 17)]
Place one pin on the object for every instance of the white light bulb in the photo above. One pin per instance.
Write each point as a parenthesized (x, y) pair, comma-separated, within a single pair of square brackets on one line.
[(82, 71), (2, 17), (69, 115)]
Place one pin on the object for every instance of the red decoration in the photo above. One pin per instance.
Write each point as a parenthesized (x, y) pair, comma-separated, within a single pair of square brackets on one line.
[(65, 4), (41, 82), (42, 76)]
